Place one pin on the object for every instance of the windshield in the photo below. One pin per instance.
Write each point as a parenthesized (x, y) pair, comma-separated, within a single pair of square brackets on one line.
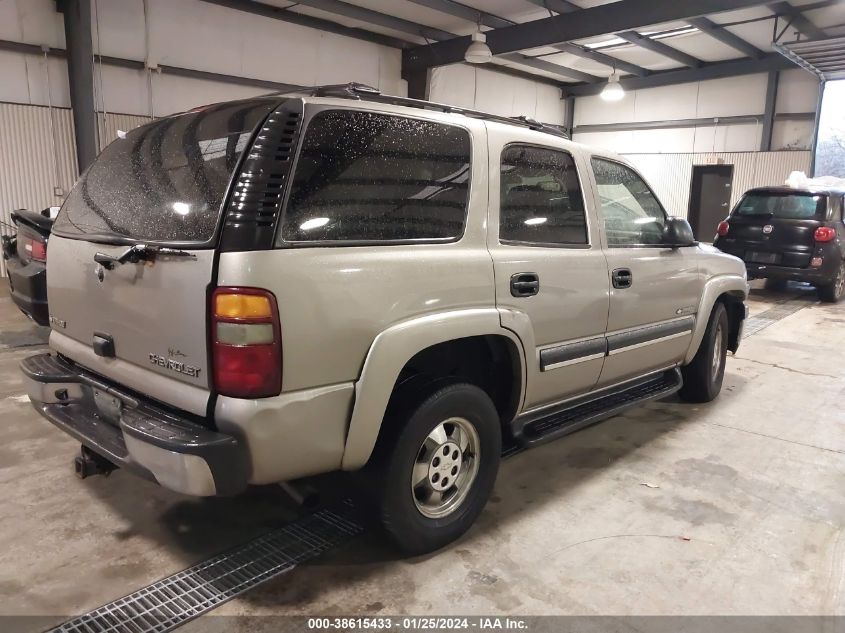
[(794, 206), (165, 181)]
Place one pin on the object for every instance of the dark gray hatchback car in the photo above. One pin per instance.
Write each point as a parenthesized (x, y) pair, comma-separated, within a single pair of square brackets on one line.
[(783, 234)]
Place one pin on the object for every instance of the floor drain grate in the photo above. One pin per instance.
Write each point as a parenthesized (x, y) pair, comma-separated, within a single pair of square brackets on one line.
[(172, 601), (773, 315)]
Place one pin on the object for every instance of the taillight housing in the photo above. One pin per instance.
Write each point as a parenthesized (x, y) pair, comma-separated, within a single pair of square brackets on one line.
[(31, 246), (825, 234), (723, 228), (246, 343)]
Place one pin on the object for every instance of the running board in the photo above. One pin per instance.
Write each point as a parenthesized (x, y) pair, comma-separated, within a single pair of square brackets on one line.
[(594, 408)]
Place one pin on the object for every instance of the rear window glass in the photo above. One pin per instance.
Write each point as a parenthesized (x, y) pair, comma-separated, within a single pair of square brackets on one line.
[(364, 176), (793, 206), (163, 182)]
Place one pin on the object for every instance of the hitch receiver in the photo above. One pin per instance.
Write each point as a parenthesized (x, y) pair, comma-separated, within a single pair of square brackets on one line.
[(89, 463)]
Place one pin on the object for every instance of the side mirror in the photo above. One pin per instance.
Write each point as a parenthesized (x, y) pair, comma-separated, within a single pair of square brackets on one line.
[(677, 232)]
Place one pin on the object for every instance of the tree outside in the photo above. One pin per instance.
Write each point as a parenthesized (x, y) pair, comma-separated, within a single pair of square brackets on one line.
[(830, 149)]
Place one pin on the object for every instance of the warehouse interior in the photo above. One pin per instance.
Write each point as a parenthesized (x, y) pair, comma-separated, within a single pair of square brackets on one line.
[(730, 508)]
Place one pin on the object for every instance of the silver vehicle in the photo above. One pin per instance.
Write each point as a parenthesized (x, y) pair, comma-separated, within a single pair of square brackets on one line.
[(262, 290)]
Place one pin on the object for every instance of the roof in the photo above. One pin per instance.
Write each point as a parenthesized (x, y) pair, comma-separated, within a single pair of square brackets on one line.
[(364, 93), (782, 189)]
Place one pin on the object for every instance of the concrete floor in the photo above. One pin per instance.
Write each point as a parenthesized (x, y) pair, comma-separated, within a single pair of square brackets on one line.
[(743, 514)]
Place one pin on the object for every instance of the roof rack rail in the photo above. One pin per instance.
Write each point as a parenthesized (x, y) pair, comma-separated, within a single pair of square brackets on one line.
[(364, 92)]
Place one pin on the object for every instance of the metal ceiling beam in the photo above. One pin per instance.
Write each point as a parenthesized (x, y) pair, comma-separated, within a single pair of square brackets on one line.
[(458, 10), (563, 72), (720, 33), (717, 70), (798, 20), (278, 13), (560, 6), (602, 58), (623, 15), (660, 48)]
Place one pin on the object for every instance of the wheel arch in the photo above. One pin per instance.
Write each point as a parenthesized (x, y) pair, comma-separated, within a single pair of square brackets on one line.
[(731, 290), (420, 342)]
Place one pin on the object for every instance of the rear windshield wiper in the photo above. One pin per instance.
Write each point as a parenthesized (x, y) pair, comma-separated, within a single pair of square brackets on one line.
[(139, 252)]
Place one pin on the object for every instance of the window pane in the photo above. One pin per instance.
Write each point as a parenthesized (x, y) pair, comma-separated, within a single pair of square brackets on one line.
[(782, 205), (372, 177), (540, 198), (165, 181), (632, 215)]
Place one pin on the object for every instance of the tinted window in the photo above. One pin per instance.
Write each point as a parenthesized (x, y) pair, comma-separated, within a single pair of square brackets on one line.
[(632, 215), (371, 177), (165, 181), (794, 206), (541, 199)]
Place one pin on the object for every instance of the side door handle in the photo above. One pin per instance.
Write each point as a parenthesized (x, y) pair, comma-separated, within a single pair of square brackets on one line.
[(525, 284), (622, 278)]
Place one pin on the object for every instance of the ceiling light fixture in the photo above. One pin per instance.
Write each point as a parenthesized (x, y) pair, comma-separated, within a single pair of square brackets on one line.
[(478, 52), (613, 91)]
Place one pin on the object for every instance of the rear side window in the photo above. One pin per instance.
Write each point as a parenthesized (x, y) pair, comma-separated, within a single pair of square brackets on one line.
[(787, 205), (369, 177), (163, 182), (541, 201)]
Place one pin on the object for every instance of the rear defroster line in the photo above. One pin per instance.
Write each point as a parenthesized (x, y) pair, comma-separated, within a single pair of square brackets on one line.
[(173, 601)]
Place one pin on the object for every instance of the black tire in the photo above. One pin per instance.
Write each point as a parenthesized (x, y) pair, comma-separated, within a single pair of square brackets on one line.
[(775, 285), (834, 291), (702, 377), (401, 445)]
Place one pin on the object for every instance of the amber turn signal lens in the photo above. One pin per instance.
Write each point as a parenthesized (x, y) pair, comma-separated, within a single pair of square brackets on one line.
[(242, 306)]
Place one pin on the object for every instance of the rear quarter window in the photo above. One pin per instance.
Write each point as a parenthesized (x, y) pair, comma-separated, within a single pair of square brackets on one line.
[(371, 177)]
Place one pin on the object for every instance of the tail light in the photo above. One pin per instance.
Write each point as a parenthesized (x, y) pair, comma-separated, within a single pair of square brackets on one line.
[(31, 246), (824, 234), (723, 228), (246, 343)]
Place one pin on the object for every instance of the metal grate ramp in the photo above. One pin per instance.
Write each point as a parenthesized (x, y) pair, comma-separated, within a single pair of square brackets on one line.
[(774, 314), (173, 601)]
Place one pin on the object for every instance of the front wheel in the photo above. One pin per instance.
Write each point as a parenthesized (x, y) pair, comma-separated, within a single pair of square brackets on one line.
[(833, 292), (436, 466), (703, 376)]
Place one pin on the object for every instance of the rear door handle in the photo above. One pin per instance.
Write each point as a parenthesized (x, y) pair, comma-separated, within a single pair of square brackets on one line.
[(622, 278), (525, 284)]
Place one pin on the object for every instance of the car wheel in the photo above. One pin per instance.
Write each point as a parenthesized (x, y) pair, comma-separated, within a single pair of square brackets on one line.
[(435, 467), (703, 376), (833, 292)]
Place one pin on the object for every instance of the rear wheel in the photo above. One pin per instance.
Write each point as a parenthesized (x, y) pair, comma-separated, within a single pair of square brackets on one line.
[(834, 291), (435, 468), (703, 376)]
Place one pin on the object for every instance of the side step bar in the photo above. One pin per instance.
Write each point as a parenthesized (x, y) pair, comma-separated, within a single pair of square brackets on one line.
[(530, 430)]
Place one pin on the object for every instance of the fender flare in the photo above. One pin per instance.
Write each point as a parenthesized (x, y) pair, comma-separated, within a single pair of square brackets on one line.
[(713, 289), (389, 353)]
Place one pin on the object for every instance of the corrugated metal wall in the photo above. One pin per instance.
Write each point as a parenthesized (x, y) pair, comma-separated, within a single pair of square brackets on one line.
[(28, 171), (671, 174)]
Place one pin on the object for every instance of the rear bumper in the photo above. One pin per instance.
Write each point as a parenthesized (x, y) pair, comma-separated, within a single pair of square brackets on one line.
[(28, 284), (136, 435), (823, 274)]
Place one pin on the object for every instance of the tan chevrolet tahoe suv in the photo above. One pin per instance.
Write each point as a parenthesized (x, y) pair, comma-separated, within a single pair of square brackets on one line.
[(262, 290)]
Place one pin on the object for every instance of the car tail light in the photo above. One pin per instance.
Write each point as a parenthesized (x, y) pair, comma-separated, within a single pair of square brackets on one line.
[(31, 245), (723, 228), (824, 234), (246, 343)]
